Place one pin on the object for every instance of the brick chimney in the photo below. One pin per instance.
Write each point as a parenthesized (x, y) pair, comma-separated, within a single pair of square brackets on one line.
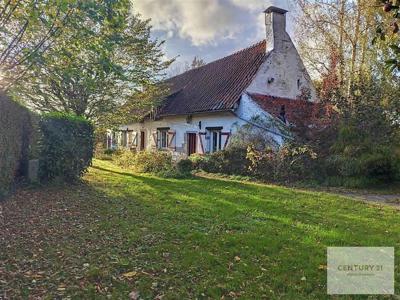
[(275, 22)]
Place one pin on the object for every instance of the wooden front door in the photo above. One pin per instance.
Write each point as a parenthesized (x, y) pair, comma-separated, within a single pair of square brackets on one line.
[(192, 143), (142, 140)]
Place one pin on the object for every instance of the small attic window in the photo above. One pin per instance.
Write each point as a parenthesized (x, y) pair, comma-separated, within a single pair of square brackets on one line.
[(298, 83)]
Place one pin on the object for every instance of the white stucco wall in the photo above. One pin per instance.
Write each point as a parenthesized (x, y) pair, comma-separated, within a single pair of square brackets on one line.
[(227, 120), (283, 74), (248, 109)]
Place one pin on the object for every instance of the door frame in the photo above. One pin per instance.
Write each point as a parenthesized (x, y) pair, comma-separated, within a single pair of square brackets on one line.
[(191, 137)]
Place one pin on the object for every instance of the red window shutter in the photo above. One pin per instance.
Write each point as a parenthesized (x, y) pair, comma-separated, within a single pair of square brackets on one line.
[(172, 140), (225, 139), (155, 139), (202, 139), (134, 139)]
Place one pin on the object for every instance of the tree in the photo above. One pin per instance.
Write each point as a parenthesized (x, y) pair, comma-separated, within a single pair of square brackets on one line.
[(390, 7), (27, 29), (98, 65), (186, 66), (342, 25), (197, 62)]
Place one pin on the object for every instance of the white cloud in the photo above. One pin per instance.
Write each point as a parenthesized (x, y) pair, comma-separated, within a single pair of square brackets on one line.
[(250, 4), (200, 21), (205, 22)]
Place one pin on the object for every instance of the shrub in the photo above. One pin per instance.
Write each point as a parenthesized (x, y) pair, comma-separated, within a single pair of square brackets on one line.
[(198, 161), (157, 162), (125, 159), (376, 165), (231, 161), (234, 161), (67, 146), (290, 163), (152, 162), (381, 166), (173, 172), (109, 151), (16, 134), (102, 153), (184, 166)]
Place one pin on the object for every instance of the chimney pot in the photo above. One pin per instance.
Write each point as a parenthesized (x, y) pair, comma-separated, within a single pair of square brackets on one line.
[(275, 9)]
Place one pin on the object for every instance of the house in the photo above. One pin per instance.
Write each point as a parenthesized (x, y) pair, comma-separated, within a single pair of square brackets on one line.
[(207, 104)]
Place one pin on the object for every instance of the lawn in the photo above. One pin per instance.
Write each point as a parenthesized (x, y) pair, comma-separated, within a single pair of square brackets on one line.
[(204, 238)]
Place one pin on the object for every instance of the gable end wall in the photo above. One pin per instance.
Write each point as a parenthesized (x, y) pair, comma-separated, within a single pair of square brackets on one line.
[(278, 76)]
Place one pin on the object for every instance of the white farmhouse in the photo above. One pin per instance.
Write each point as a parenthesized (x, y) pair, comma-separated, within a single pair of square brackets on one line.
[(207, 104)]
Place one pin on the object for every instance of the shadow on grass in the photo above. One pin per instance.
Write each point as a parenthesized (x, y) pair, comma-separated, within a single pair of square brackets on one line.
[(312, 214)]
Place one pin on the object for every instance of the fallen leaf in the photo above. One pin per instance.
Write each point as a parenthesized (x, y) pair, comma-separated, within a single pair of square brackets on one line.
[(130, 274), (237, 258)]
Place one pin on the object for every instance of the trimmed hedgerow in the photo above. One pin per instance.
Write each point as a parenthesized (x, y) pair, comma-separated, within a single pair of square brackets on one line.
[(67, 146), (15, 140)]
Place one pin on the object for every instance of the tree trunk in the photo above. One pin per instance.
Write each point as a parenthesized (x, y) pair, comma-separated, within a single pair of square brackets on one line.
[(341, 41), (354, 50)]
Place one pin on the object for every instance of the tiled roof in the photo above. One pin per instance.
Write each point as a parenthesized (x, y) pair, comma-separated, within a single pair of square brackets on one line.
[(296, 110), (216, 86)]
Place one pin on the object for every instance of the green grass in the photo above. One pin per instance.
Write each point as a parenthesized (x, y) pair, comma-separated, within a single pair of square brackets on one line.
[(202, 238)]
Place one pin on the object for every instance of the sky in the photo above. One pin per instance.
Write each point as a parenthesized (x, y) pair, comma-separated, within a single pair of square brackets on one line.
[(209, 29)]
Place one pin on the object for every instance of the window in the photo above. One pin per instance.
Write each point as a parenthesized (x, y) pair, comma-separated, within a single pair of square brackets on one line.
[(123, 139), (215, 140), (130, 138), (162, 138)]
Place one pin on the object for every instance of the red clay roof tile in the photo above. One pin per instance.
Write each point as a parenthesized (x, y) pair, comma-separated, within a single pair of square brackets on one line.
[(216, 86), (295, 109)]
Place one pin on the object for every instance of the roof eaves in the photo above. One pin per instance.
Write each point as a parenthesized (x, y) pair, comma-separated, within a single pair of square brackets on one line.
[(197, 112)]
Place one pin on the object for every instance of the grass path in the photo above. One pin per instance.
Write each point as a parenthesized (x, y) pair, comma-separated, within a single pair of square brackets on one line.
[(179, 239)]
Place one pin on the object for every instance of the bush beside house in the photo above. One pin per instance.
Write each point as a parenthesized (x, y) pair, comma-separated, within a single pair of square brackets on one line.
[(66, 146), (16, 127), (157, 162), (291, 164)]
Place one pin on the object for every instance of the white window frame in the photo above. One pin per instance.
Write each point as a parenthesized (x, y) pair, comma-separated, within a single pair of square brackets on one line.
[(215, 134), (162, 139)]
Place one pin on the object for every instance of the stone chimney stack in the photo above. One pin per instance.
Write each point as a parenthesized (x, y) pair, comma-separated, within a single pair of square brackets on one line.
[(275, 22)]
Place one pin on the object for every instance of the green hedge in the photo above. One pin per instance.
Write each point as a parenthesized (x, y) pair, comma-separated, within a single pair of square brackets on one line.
[(67, 146), (15, 138)]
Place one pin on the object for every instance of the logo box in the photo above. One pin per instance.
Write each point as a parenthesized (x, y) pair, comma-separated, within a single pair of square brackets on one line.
[(360, 270)]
